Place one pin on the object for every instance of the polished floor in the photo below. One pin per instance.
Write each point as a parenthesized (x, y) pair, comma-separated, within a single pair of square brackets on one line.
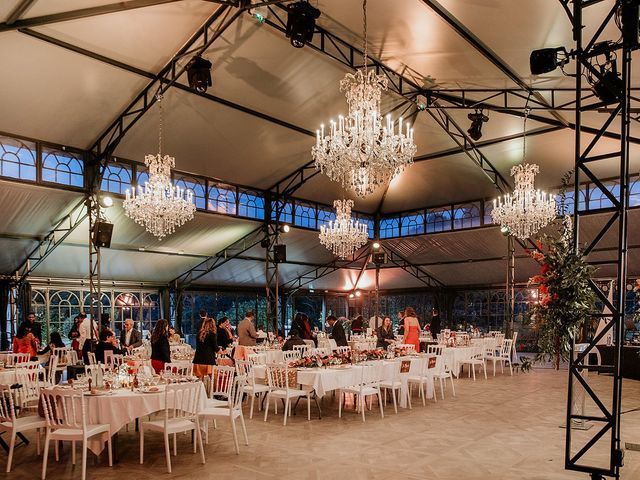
[(502, 428)]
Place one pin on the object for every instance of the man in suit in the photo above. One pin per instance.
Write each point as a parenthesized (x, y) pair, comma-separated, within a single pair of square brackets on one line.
[(247, 334), (130, 338), (337, 331), (435, 322), (34, 327)]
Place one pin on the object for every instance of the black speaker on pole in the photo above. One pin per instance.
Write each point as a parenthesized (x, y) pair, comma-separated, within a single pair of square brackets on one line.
[(379, 258), (279, 253), (102, 232)]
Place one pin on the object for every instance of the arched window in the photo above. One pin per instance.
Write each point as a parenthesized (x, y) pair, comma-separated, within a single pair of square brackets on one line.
[(390, 227), (105, 299), (17, 158), (251, 205), (117, 178), (63, 308), (412, 224), (466, 216), (197, 188), (150, 312), (62, 167), (438, 219), (305, 215), (126, 305), (222, 199)]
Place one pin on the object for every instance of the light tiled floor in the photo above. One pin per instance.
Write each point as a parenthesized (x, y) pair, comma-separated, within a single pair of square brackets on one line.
[(503, 428)]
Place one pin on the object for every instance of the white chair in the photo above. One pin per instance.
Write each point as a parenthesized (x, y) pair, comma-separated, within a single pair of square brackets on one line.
[(323, 352), (285, 387), (109, 361), (342, 350), (420, 378), (92, 358), (29, 392), (232, 410), (53, 368), (369, 385), (14, 425), (303, 349), (409, 347), (14, 359), (66, 420), (252, 387), (394, 385), (291, 355), (72, 357), (257, 358), (181, 414), (178, 369), (435, 349), (441, 373), (504, 356), (220, 382), (476, 357)]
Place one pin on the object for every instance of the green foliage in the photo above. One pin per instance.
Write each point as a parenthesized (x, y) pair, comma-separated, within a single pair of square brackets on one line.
[(525, 364), (565, 299)]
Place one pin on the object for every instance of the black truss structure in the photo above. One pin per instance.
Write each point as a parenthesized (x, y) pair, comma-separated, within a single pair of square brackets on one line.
[(607, 416)]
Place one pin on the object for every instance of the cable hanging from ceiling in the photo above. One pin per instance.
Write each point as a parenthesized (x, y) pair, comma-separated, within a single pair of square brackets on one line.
[(363, 151)]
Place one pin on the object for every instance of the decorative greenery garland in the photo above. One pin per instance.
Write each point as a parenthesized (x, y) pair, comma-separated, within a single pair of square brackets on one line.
[(565, 299)]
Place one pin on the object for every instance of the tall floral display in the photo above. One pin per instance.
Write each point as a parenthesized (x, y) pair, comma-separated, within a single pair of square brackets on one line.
[(565, 299)]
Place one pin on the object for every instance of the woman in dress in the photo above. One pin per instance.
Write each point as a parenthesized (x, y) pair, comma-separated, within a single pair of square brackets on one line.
[(385, 334), (411, 328), (25, 342), (160, 350), (55, 341), (225, 337), (74, 334), (206, 349)]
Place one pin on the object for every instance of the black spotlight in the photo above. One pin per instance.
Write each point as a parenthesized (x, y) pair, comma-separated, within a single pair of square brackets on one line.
[(199, 74), (477, 119), (301, 23), (546, 60), (609, 88)]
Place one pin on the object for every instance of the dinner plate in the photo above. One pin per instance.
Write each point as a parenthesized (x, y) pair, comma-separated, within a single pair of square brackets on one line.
[(151, 391), (99, 393)]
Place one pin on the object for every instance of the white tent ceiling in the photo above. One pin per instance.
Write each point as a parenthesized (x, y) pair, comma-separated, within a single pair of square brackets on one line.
[(61, 96)]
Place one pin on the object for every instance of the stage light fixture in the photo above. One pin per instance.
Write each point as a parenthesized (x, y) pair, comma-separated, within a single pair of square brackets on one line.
[(358, 293), (504, 230), (547, 60), (285, 228), (376, 245), (351, 295), (477, 119), (609, 88), (105, 201), (199, 73), (301, 23)]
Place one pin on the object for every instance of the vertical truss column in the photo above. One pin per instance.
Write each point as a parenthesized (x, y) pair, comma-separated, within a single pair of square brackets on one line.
[(95, 291), (510, 287), (273, 209), (606, 416)]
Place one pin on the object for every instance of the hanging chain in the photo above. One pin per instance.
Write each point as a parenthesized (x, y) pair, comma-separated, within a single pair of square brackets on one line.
[(159, 98), (527, 111), (364, 28)]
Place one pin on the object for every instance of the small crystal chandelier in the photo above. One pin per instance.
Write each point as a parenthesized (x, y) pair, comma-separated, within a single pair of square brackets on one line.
[(361, 151), (159, 206), (525, 211), (344, 235)]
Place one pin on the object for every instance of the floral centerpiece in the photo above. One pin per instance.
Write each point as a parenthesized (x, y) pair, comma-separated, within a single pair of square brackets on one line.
[(317, 361), (565, 299)]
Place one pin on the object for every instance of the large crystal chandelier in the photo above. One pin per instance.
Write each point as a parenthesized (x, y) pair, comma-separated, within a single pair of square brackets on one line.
[(344, 235), (159, 206), (525, 211), (363, 151)]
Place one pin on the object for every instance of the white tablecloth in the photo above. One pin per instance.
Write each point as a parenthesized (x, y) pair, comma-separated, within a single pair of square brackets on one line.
[(453, 356), (123, 407)]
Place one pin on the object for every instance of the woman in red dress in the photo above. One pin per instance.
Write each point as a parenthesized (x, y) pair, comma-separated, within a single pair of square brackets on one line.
[(25, 342), (411, 328)]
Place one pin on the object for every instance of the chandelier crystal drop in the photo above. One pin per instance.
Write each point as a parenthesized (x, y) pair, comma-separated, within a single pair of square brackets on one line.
[(344, 235), (363, 151), (525, 211), (159, 206)]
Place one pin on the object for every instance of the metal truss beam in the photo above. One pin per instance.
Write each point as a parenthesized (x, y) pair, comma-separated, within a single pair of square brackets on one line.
[(51, 240), (18, 11), (418, 272), (607, 415)]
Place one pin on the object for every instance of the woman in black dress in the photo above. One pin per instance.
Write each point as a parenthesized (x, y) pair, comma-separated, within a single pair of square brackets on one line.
[(225, 337), (385, 334), (206, 349), (160, 350)]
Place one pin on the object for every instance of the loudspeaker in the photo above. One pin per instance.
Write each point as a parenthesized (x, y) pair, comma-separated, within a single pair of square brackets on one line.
[(102, 232), (279, 253), (379, 258)]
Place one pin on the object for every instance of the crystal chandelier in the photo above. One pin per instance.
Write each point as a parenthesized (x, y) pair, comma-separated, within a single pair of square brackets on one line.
[(344, 235), (363, 151), (159, 206), (525, 211)]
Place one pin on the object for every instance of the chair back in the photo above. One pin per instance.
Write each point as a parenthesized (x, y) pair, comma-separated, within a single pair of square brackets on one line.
[(346, 349), (409, 347), (221, 381), (310, 343), (323, 352), (289, 356), (95, 373), (118, 359), (236, 392), (280, 377), (72, 357), (182, 400), (92, 358), (16, 358), (505, 350), (62, 353), (7, 406), (435, 349), (53, 366), (372, 374), (27, 377), (303, 349), (178, 369), (64, 408), (109, 362), (257, 358)]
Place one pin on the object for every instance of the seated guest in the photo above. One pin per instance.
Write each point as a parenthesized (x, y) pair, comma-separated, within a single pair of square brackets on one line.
[(337, 331), (107, 343), (25, 342), (130, 338), (302, 325), (357, 325), (294, 339), (55, 341), (206, 348), (160, 350), (174, 336), (385, 334), (225, 337)]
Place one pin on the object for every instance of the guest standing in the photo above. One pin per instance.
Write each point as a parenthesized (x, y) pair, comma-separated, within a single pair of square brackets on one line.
[(294, 339), (385, 334), (435, 322), (206, 349), (74, 334), (247, 334), (33, 326), (88, 338), (401, 322), (25, 342), (337, 331), (302, 325), (411, 328), (130, 338), (225, 336), (357, 325), (160, 350)]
